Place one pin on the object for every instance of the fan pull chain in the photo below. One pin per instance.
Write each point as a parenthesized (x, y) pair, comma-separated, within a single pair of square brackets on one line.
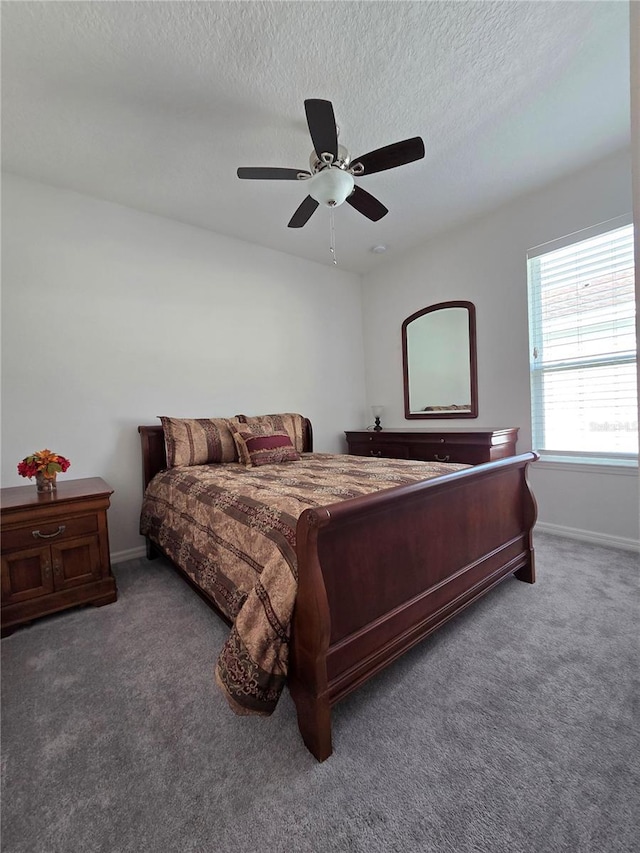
[(332, 236)]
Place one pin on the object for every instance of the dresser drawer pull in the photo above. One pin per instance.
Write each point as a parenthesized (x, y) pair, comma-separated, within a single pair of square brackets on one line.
[(37, 535), (375, 453), (443, 459)]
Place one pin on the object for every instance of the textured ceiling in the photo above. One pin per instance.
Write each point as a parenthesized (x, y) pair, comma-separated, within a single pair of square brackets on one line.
[(155, 104)]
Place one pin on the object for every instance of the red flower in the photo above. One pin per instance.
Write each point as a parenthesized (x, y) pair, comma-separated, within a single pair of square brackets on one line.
[(26, 469)]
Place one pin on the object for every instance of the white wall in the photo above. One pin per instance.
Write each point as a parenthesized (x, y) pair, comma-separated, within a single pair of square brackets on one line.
[(111, 317), (484, 261)]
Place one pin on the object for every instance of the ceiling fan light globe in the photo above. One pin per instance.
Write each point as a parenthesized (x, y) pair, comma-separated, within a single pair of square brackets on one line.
[(331, 187)]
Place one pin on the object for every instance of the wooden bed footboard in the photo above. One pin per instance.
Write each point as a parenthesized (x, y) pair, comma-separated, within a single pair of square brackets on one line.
[(377, 574)]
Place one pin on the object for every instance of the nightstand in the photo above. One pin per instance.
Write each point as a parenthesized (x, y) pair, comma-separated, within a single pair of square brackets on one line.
[(55, 550)]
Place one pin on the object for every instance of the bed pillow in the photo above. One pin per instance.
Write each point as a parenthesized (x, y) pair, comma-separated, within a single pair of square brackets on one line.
[(198, 441), (289, 422), (260, 445)]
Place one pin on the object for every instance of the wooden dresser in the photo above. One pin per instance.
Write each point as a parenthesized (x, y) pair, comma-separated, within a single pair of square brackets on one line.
[(472, 446), (55, 550)]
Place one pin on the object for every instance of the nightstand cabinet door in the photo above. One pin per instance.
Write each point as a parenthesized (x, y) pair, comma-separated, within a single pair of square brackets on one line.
[(26, 574), (75, 562)]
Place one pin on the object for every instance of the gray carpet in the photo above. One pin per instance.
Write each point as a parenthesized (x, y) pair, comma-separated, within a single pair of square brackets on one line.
[(509, 730)]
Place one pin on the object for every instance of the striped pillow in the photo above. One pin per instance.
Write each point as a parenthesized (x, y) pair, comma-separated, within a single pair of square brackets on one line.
[(198, 441), (260, 445), (288, 422)]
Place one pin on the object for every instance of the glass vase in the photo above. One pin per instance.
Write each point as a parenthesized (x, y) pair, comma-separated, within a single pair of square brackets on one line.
[(45, 484)]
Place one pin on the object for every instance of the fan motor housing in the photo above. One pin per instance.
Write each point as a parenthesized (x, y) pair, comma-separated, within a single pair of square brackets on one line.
[(342, 161)]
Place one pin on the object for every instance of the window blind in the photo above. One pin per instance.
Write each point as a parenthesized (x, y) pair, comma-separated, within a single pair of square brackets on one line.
[(583, 347)]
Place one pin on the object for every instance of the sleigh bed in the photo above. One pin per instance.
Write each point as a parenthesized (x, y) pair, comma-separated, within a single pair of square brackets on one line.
[(372, 574)]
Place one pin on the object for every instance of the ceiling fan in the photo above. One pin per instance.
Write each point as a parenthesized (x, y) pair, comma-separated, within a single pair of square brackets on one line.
[(331, 179)]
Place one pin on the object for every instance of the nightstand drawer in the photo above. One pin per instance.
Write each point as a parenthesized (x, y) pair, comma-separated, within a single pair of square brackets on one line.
[(48, 532)]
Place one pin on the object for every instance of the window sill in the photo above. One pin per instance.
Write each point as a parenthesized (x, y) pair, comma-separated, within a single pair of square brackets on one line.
[(625, 467)]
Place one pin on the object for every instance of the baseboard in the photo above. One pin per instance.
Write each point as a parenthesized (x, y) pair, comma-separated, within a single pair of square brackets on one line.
[(129, 554), (588, 536)]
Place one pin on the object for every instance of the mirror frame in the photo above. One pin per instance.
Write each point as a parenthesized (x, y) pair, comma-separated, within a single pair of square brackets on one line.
[(473, 362)]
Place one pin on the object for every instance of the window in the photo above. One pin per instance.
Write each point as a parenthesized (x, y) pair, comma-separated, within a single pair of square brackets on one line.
[(583, 346)]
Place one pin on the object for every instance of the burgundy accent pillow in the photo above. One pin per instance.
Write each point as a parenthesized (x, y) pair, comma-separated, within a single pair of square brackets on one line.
[(261, 446), (289, 422)]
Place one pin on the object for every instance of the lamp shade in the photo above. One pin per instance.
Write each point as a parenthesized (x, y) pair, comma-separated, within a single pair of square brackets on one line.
[(331, 186)]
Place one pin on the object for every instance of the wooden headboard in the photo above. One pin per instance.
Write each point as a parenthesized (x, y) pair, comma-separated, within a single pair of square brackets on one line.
[(154, 457)]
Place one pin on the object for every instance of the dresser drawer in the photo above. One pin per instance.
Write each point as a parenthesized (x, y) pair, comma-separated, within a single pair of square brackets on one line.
[(448, 452), (380, 450), (48, 532)]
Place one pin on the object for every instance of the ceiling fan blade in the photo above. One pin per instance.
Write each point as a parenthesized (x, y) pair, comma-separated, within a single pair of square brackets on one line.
[(391, 156), (322, 126), (267, 173), (366, 204), (303, 213)]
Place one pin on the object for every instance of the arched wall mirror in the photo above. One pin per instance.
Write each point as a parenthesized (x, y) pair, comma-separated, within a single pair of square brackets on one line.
[(439, 362)]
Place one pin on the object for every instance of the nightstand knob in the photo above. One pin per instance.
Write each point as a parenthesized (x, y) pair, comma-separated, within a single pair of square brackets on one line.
[(376, 453), (444, 458), (37, 535)]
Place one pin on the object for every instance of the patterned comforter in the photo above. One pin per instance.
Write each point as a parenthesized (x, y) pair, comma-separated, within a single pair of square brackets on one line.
[(232, 530)]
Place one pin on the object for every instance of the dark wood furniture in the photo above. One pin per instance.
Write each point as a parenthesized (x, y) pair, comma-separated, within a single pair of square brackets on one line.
[(471, 446), (422, 552), (55, 550)]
